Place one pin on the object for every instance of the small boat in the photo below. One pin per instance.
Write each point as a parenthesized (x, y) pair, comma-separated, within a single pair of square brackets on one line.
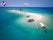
[(28, 16), (30, 20), (43, 26), (20, 9)]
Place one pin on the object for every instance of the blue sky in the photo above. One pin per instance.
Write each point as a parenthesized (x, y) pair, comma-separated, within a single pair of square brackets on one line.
[(28, 3)]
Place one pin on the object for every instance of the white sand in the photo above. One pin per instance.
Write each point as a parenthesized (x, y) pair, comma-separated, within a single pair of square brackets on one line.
[(37, 18)]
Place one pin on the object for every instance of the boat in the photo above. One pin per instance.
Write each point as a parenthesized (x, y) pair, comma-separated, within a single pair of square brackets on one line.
[(43, 26), (30, 20)]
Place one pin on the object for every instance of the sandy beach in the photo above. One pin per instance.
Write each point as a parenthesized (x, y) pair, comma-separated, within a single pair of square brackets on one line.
[(38, 18)]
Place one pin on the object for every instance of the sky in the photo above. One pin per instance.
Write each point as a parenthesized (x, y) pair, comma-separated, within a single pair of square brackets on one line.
[(28, 3)]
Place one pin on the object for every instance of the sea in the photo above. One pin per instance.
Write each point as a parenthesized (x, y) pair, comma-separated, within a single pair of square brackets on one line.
[(11, 28)]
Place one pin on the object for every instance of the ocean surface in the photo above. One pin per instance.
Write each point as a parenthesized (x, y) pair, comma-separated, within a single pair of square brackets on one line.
[(11, 28)]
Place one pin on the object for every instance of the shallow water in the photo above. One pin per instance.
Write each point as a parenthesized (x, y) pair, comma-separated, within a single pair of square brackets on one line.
[(15, 27)]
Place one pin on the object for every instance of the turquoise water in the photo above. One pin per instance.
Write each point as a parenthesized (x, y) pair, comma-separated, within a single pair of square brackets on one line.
[(13, 29)]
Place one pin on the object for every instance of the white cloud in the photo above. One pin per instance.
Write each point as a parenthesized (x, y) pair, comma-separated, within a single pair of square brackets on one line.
[(26, 3)]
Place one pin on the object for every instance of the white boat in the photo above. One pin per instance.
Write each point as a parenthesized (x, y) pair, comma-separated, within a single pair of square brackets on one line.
[(43, 26)]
